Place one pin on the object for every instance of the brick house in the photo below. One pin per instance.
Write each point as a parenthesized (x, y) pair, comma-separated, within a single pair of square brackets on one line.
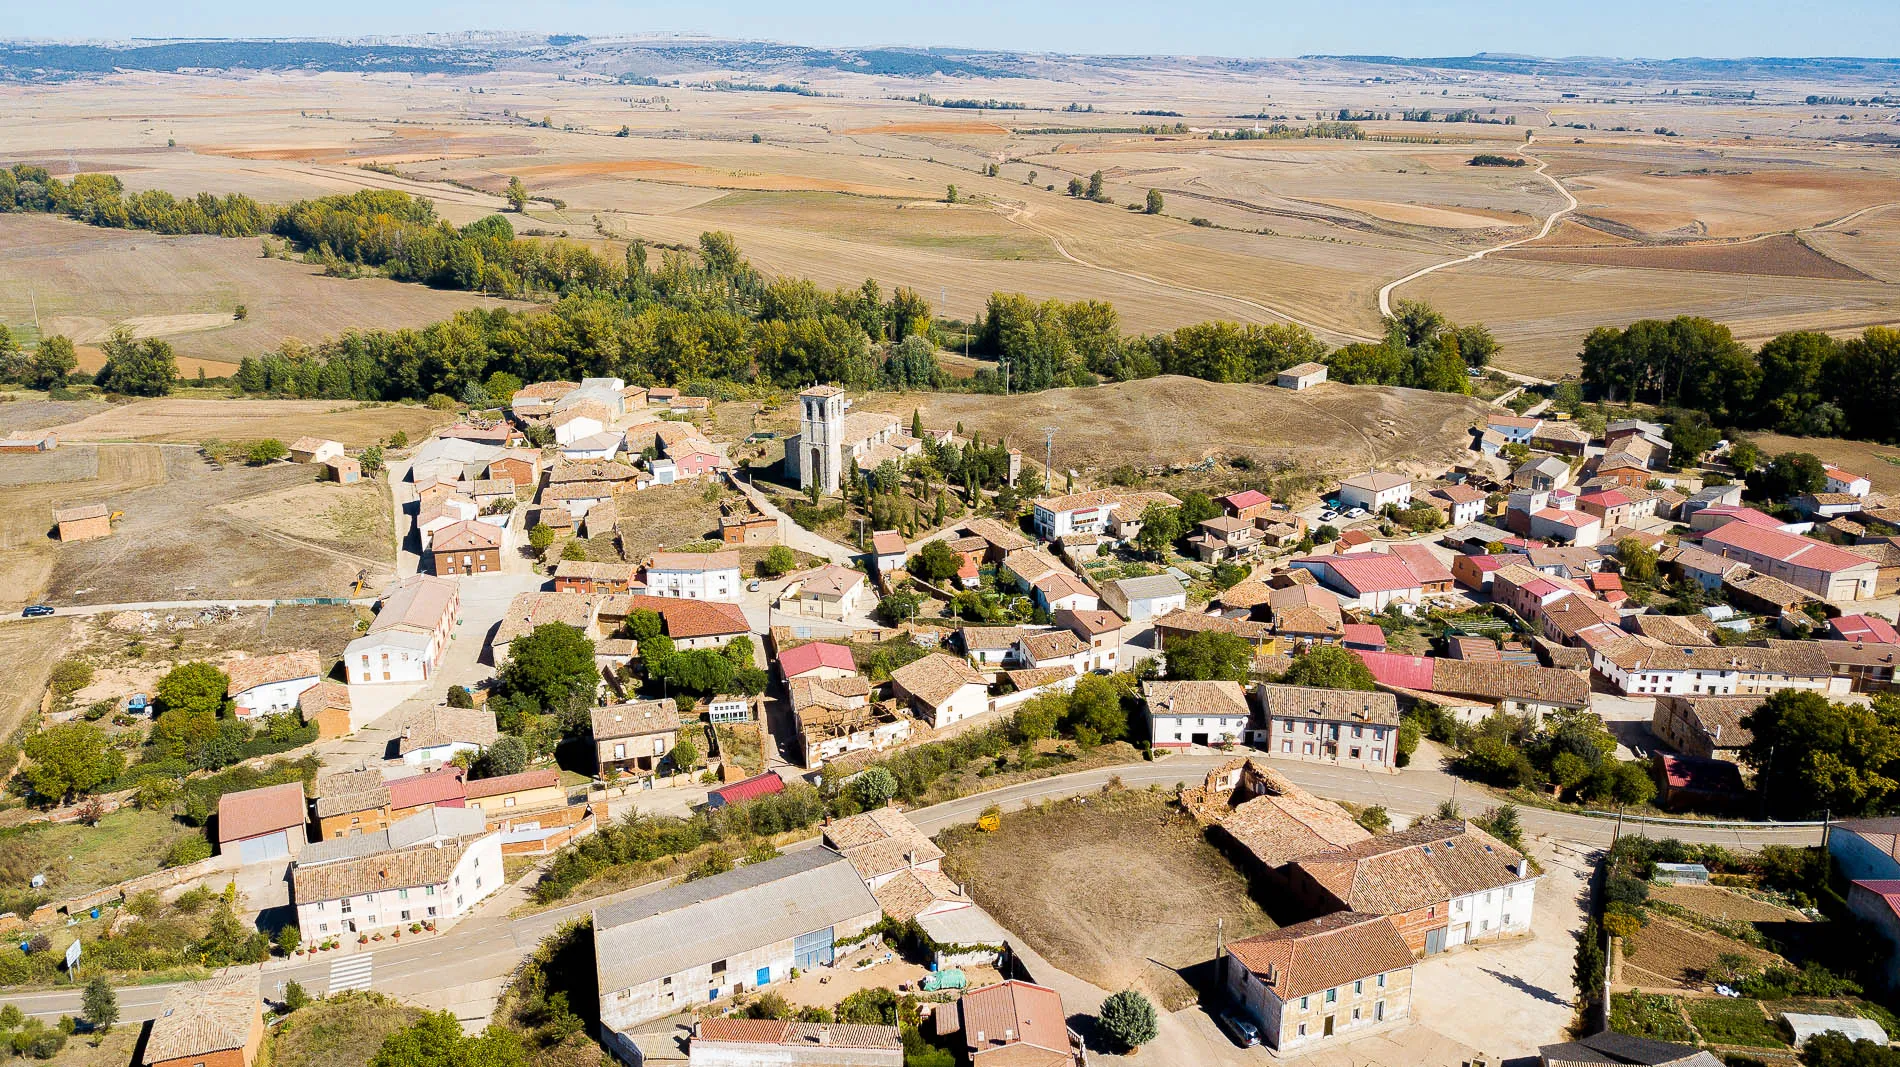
[(635, 738), (83, 522), (219, 1023)]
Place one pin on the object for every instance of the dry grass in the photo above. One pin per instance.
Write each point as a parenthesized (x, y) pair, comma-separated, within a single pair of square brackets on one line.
[(1096, 886), (1780, 256), (1672, 953), (181, 419), (1720, 903), (28, 650), (668, 516), (1877, 463), (355, 518), (38, 483), (1334, 428), (82, 281), (339, 1031)]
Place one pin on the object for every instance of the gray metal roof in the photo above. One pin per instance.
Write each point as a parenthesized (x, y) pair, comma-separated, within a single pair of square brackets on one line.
[(696, 923), (1148, 586), (414, 830)]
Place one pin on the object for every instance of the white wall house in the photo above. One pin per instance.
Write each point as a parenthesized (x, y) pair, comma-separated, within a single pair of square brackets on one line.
[(1840, 481), (1143, 600), (1644, 667), (941, 689), (432, 867), (695, 576), (1183, 714), (579, 423), (406, 641), (1075, 513), (1374, 490), (270, 685)]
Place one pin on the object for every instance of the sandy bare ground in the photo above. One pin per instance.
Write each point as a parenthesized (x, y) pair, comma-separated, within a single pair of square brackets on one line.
[(177, 419)]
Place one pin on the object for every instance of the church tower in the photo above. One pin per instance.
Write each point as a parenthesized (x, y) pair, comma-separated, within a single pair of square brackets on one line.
[(820, 438)]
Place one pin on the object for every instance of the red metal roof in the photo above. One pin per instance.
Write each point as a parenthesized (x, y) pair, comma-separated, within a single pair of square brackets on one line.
[(1567, 518), (1365, 634), (1741, 514), (1398, 670), (1425, 564), (255, 812), (1865, 628), (1804, 552), (444, 787), (1606, 498), (752, 788), (1369, 572), (1887, 889), (1246, 498), (803, 658), (513, 783)]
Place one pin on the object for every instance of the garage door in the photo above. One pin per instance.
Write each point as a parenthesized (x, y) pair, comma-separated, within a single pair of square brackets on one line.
[(269, 847), (812, 950)]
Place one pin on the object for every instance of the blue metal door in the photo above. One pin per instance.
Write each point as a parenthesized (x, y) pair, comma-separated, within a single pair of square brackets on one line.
[(764, 977), (813, 950)]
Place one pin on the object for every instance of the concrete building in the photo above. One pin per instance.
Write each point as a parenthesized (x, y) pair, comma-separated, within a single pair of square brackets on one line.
[(941, 689), (1641, 666), (1142, 600), (1337, 726), (263, 824), (695, 576), (406, 641), (271, 685), (1866, 849), (1183, 714), (700, 941), (432, 867), (1301, 376), (314, 450), (1374, 490), (1341, 976), (1831, 573)]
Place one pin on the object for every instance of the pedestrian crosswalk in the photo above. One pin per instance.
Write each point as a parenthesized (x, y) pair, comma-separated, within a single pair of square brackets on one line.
[(350, 972)]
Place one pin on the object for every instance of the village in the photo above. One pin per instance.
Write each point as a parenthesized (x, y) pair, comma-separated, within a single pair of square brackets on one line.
[(549, 684)]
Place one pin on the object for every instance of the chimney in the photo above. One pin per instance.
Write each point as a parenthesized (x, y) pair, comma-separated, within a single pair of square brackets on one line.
[(824, 1035), (979, 1037), (1008, 1036), (1523, 868)]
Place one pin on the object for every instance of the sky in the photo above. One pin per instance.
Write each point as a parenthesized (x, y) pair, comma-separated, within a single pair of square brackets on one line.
[(1240, 28)]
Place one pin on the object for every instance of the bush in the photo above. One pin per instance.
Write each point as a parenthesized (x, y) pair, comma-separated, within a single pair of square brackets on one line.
[(188, 849), (69, 676), (1129, 1018), (269, 450), (779, 560)]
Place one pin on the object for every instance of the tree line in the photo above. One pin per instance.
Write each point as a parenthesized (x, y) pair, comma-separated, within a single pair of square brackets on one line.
[(1802, 383), (697, 315)]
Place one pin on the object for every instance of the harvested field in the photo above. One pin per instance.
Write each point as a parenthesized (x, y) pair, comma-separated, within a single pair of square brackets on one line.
[(1876, 462), (930, 127), (355, 518), (1717, 902), (1660, 202), (180, 419), (174, 543), (82, 281), (1095, 885), (28, 650), (27, 414), (1669, 953), (1782, 256), (38, 483), (1433, 215), (1334, 428)]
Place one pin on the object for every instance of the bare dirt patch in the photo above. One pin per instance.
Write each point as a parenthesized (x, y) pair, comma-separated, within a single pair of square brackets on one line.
[(1782, 256), (1184, 420), (181, 419), (40, 482), (1717, 902), (668, 516), (354, 518), (28, 650), (1669, 952), (1096, 884)]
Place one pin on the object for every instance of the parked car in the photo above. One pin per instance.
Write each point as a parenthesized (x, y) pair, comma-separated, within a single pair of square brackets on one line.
[(1244, 1033), (752, 586), (1356, 513), (1328, 515), (35, 611)]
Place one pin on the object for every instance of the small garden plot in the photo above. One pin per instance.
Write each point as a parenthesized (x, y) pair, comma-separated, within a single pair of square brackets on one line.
[(1652, 1015), (1725, 905), (1722, 1021), (1669, 952)]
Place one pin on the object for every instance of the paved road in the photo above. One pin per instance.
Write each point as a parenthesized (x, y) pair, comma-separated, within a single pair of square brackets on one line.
[(489, 944), (170, 605)]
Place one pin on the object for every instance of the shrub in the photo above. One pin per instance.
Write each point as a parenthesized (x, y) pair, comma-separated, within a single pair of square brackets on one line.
[(188, 849), (69, 676), (1129, 1018), (269, 450)]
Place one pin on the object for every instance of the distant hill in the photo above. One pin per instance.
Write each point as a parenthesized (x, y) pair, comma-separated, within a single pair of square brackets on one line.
[(1753, 68)]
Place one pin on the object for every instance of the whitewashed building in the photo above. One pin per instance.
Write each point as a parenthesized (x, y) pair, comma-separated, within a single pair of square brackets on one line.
[(695, 576), (1183, 714), (270, 685), (1374, 490), (431, 867), (406, 641)]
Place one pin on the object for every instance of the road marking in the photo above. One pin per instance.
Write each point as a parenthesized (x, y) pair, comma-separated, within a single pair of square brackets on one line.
[(351, 972)]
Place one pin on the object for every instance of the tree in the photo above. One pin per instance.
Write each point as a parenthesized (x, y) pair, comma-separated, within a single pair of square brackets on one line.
[(1129, 1019), (1330, 667), (295, 998), (436, 1040), (1094, 712), (1075, 187), (507, 755), (779, 560), (936, 562), (1835, 1049), (371, 460), (100, 1004), (1810, 754), (70, 758), (1160, 528), (1503, 823), (554, 664), (1636, 560), (287, 938), (1789, 475), (1375, 819), (517, 194), (898, 607), (874, 788), (1095, 186), (1154, 202), (53, 363), (459, 697), (1209, 655), (950, 195), (1690, 435), (685, 755), (136, 368), (1196, 508), (269, 450), (574, 551), (194, 688), (540, 537)]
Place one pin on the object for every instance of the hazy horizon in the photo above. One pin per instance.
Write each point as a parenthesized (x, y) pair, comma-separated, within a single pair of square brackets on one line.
[(1621, 29)]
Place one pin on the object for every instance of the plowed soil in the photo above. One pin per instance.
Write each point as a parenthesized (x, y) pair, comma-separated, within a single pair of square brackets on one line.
[(1782, 256)]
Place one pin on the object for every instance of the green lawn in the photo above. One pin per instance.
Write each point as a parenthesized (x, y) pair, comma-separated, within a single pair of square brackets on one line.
[(1649, 1015), (1722, 1021)]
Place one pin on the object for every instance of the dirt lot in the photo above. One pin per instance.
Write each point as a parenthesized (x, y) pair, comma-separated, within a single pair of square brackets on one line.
[(667, 516), (81, 281), (175, 544), (185, 419), (1334, 428), (1097, 886), (354, 518), (23, 411), (38, 483), (28, 651), (1720, 903)]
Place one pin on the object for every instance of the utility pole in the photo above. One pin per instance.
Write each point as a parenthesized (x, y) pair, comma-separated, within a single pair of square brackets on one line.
[(1048, 455)]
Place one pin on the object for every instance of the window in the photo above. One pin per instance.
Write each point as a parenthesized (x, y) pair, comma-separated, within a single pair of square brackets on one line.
[(1359, 987), (1359, 731), (458, 900), (667, 981), (1303, 1001), (323, 928), (346, 905), (1355, 752), (1286, 746), (1308, 749), (432, 911), (405, 915), (1378, 1011), (659, 746), (428, 891), (1380, 981), (1332, 995), (620, 751), (1508, 890), (1355, 1014), (1378, 755), (1302, 1029), (402, 894)]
